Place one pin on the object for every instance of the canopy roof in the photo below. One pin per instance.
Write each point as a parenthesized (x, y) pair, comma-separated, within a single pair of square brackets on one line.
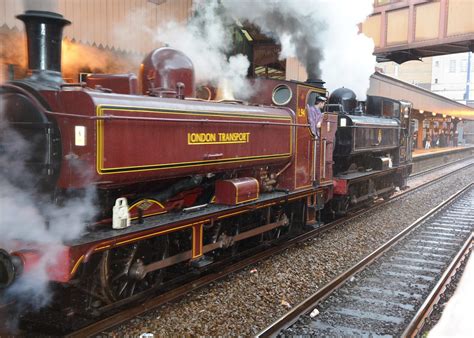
[(422, 99)]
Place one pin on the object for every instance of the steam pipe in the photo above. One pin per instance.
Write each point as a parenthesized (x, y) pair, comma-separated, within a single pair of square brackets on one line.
[(11, 267)]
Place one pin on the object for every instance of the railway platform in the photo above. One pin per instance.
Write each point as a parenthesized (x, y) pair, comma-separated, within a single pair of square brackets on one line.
[(456, 317), (439, 151), (424, 159)]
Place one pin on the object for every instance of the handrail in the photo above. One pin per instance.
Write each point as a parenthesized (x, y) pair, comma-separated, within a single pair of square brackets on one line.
[(166, 119)]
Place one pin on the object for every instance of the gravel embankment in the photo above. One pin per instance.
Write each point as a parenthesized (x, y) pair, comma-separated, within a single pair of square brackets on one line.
[(246, 302)]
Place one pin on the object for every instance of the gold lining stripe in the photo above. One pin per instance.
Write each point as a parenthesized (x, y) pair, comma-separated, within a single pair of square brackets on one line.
[(76, 266), (102, 247), (232, 214), (148, 215), (181, 112), (155, 233), (249, 200), (153, 167), (206, 162), (148, 200)]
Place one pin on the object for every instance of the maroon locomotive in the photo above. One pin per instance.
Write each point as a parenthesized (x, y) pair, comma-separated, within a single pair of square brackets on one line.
[(179, 179)]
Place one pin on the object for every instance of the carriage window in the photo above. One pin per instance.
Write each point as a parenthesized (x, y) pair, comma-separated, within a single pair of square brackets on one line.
[(391, 109), (281, 95), (396, 109), (373, 105)]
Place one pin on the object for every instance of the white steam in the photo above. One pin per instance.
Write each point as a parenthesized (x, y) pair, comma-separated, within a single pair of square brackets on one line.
[(41, 5), (28, 218), (322, 34), (206, 40)]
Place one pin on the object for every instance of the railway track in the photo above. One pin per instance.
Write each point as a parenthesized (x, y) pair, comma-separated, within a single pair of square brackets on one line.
[(227, 269), (391, 291), (224, 269)]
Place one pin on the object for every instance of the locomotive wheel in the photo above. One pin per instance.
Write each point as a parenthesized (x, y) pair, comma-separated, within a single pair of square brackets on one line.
[(117, 281), (341, 205)]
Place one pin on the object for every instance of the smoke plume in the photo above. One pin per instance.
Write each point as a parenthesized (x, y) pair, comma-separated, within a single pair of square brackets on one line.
[(206, 40), (322, 34)]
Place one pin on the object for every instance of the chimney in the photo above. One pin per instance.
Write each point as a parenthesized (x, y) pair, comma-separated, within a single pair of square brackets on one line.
[(44, 31), (316, 82)]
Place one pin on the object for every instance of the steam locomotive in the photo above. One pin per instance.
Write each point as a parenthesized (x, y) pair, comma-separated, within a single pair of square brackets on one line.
[(181, 180)]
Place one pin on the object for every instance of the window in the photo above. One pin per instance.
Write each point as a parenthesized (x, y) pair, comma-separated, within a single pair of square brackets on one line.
[(391, 108), (436, 81), (452, 66), (436, 64), (463, 65), (281, 95)]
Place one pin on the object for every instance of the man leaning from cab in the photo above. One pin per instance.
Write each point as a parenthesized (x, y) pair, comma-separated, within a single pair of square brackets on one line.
[(315, 115)]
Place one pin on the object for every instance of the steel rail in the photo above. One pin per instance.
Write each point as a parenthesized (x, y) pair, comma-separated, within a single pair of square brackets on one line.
[(416, 324), (312, 301), (181, 291)]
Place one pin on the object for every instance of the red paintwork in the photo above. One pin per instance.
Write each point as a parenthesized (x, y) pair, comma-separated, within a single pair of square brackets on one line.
[(328, 134), (340, 187), (301, 173), (58, 262), (134, 143), (236, 191), (154, 150), (117, 83), (163, 68)]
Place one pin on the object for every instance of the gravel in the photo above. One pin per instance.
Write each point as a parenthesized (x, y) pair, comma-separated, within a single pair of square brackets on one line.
[(246, 302)]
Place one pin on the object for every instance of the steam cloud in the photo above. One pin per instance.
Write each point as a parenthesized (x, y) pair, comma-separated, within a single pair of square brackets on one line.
[(207, 40), (322, 34), (28, 217)]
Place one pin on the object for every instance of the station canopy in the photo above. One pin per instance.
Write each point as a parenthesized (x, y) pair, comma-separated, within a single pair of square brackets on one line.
[(262, 51), (423, 100)]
